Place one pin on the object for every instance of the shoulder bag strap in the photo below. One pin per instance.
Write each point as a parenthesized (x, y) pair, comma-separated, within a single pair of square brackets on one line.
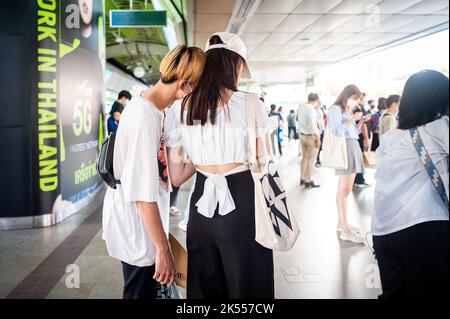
[(429, 166), (251, 129)]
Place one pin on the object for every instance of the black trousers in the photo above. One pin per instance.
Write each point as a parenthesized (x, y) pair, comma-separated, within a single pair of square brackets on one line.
[(359, 179), (174, 196), (414, 262), (375, 142), (292, 132), (139, 282), (320, 148), (224, 260)]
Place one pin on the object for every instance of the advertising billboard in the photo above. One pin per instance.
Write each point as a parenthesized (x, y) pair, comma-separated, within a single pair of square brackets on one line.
[(69, 92), (54, 130)]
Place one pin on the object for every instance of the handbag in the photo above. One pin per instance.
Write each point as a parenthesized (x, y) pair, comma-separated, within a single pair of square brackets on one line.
[(429, 166), (105, 161), (180, 257), (275, 224), (370, 159), (334, 150), (164, 292)]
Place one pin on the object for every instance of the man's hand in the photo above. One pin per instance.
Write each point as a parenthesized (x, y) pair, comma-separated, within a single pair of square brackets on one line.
[(165, 267), (317, 142), (366, 145)]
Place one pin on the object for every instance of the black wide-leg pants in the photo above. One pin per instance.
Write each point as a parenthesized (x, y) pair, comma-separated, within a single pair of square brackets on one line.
[(224, 260), (414, 262)]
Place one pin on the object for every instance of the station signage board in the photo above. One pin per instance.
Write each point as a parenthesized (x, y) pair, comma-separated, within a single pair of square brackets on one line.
[(137, 18)]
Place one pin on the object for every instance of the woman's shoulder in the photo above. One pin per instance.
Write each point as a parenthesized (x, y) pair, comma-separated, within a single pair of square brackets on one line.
[(392, 140), (335, 110), (242, 95), (240, 98), (335, 107), (438, 125), (438, 130)]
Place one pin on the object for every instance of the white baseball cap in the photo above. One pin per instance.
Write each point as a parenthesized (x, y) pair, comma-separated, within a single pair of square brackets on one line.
[(233, 43)]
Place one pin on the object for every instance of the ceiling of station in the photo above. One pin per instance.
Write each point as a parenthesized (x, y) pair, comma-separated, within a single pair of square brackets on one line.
[(211, 16), (286, 39)]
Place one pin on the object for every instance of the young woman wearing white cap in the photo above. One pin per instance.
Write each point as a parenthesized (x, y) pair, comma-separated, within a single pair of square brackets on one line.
[(224, 260)]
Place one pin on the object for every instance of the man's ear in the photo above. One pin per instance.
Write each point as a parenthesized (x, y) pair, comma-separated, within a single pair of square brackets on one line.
[(182, 84)]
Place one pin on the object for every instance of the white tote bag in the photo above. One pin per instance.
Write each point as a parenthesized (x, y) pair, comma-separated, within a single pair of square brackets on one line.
[(334, 150), (276, 227)]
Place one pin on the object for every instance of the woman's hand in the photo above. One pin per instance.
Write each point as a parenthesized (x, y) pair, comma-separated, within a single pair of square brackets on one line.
[(357, 116)]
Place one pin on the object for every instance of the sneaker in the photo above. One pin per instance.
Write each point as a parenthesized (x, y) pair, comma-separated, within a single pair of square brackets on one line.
[(311, 185), (302, 182), (174, 211), (354, 236), (362, 185), (183, 225), (339, 229)]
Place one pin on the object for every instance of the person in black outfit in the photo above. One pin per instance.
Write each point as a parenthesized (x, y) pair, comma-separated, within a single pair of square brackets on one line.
[(363, 141), (116, 110), (382, 106)]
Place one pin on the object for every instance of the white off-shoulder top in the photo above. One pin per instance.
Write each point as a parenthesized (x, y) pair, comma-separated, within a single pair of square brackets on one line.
[(226, 141)]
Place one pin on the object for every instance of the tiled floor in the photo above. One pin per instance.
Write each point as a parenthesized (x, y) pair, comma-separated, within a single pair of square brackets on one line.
[(319, 266)]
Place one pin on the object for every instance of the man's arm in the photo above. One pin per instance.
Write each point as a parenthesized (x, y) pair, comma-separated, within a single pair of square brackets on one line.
[(116, 116), (165, 265), (315, 128)]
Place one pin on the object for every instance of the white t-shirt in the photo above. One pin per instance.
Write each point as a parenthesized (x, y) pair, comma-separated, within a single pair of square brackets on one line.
[(226, 141), (136, 166), (404, 193), (307, 120)]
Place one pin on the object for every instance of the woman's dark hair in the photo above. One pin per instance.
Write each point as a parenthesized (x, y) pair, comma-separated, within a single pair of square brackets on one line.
[(424, 99), (220, 73), (382, 104), (348, 92)]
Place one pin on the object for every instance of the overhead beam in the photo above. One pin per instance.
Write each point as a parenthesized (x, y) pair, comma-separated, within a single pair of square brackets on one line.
[(119, 50)]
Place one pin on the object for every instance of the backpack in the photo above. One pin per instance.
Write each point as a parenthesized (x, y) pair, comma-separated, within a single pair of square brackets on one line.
[(105, 161)]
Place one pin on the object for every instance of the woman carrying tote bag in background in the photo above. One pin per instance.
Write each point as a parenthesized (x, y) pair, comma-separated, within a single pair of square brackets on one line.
[(225, 261), (342, 122)]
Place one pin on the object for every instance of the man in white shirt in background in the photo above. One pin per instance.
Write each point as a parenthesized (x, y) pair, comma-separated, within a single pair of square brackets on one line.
[(310, 139)]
